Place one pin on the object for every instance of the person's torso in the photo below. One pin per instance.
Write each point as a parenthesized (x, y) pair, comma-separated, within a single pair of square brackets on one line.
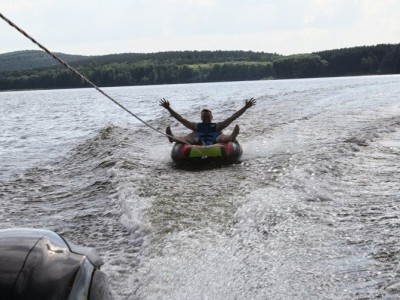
[(207, 133)]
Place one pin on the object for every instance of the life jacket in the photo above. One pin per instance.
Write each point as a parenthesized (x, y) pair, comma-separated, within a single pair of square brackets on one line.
[(207, 133)]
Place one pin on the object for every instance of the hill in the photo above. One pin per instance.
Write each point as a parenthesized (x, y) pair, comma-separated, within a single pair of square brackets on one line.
[(33, 59), (145, 68), (194, 66)]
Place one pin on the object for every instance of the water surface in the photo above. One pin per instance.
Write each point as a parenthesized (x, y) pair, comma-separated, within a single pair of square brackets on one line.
[(311, 212)]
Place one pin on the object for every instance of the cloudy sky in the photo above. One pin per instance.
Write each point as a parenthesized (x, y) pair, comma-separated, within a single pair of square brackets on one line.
[(94, 27)]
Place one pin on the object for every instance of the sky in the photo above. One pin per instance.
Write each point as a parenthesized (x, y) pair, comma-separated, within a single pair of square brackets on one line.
[(98, 27)]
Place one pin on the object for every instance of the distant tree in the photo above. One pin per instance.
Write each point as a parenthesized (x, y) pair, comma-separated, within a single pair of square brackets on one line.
[(299, 66), (391, 61), (370, 64)]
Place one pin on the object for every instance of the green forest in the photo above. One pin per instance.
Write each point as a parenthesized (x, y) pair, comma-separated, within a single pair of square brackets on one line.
[(193, 67)]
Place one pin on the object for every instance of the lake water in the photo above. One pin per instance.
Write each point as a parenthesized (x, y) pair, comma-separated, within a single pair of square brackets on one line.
[(310, 212)]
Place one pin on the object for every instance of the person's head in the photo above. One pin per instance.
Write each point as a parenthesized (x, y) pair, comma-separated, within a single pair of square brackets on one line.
[(206, 116)]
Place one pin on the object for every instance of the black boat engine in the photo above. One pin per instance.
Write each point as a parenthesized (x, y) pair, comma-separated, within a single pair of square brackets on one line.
[(40, 264)]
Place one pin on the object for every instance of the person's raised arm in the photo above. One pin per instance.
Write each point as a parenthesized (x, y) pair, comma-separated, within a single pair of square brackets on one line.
[(249, 103), (165, 103)]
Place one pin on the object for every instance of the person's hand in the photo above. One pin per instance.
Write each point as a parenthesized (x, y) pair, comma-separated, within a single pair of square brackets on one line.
[(164, 103), (250, 102)]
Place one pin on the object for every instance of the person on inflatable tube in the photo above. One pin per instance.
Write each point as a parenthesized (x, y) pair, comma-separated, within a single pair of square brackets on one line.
[(206, 132)]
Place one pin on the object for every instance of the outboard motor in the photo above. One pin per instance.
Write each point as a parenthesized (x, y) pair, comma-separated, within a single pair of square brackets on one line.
[(40, 264)]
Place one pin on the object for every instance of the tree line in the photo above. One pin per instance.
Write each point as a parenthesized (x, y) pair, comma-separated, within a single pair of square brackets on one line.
[(372, 60), (208, 66)]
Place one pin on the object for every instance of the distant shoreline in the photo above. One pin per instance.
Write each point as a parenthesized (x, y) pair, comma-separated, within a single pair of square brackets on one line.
[(191, 67)]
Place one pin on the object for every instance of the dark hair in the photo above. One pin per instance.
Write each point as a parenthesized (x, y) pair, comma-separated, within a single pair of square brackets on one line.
[(207, 110)]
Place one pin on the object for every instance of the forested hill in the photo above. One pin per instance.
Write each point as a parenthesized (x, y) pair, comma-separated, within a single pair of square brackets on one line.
[(146, 68), (33, 59), (195, 66)]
